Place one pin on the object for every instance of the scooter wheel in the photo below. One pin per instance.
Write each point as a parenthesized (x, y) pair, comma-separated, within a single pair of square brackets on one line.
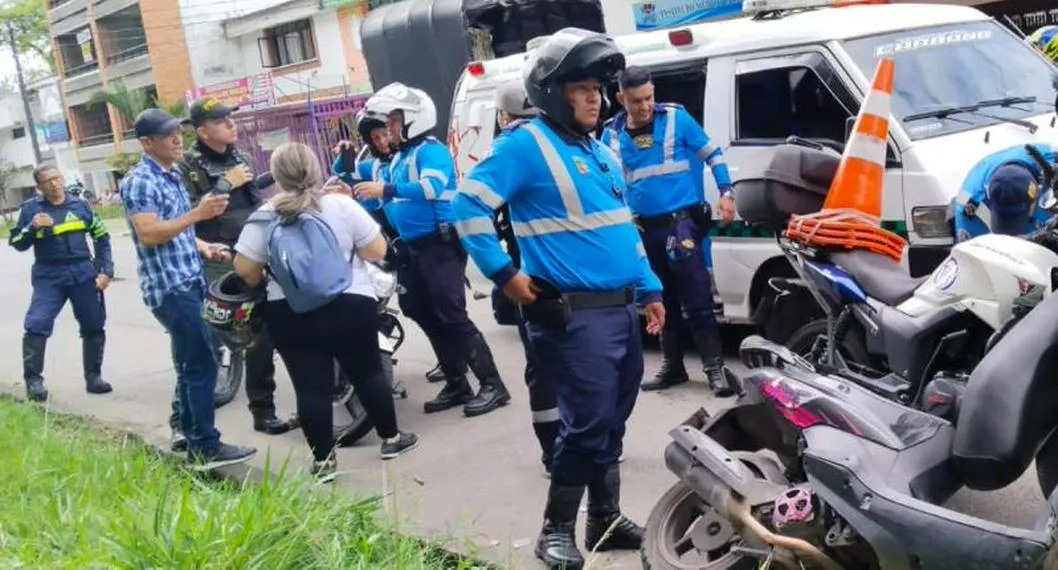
[(683, 532)]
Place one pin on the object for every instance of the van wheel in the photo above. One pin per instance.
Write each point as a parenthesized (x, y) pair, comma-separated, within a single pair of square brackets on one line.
[(851, 346)]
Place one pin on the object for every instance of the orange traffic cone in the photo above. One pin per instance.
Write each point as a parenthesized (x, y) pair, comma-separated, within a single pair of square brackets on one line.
[(858, 182), (851, 214)]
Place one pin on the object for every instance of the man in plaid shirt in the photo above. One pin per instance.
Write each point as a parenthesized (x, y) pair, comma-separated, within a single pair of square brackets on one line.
[(172, 280)]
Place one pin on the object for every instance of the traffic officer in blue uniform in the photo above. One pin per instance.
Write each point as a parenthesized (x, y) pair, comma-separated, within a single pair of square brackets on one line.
[(512, 109), (583, 270), (57, 226), (999, 195), (656, 144), (418, 192), (373, 164)]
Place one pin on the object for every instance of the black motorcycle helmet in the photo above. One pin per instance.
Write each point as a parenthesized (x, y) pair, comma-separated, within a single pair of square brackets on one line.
[(571, 54), (229, 310), (367, 122)]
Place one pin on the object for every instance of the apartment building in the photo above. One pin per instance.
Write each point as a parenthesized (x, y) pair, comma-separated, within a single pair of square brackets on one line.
[(100, 42)]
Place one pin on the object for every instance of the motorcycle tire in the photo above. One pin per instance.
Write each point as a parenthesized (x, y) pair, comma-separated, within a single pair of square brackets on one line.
[(670, 534), (229, 379), (851, 347), (351, 422)]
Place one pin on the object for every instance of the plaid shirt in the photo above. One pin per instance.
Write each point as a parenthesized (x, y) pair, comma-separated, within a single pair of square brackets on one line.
[(170, 267)]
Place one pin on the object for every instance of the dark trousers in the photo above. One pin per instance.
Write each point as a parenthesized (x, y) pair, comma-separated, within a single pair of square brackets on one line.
[(687, 286), (196, 366), (597, 364), (435, 298), (345, 330), (543, 399), (53, 286)]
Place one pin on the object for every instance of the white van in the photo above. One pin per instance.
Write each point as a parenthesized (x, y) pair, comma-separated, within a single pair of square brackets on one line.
[(965, 87)]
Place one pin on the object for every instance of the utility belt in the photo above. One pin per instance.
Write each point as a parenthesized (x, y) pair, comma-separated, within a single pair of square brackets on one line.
[(553, 310), (445, 234), (701, 214)]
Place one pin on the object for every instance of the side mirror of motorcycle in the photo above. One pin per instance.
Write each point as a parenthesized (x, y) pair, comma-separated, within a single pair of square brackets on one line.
[(1048, 201)]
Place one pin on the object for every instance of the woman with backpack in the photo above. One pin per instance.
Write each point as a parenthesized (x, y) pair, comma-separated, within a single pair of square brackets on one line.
[(312, 246)]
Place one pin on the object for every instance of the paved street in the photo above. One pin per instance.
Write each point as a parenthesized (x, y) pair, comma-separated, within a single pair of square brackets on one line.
[(474, 485)]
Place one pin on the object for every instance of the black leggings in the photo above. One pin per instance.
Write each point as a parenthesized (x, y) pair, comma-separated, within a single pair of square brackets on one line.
[(345, 330)]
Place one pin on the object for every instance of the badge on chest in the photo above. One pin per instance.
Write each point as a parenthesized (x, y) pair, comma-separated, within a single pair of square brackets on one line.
[(644, 141)]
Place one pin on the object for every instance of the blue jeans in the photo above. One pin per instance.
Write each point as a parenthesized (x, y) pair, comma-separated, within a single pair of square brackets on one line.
[(196, 366)]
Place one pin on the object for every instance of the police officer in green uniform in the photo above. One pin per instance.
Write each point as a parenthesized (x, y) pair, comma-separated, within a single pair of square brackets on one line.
[(213, 165)]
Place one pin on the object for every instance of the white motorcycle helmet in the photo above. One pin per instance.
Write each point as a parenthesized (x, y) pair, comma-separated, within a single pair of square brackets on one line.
[(420, 113)]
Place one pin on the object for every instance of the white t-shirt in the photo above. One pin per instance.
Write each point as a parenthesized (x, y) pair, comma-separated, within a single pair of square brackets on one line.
[(353, 226)]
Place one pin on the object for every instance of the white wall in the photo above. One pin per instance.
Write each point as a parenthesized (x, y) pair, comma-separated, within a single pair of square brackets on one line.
[(209, 51), (618, 17), (11, 111), (329, 50)]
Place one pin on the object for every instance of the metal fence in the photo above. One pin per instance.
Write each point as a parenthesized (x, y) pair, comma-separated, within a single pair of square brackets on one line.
[(320, 125)]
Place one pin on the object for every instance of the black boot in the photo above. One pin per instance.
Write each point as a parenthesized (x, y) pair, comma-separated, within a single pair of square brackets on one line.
[(557, 543), (92, 353), (33, 366), (546, 432), (711, 352), (267, 422), (435, 374), (672, 371), (455, 393), (492, 393), (607, 528)]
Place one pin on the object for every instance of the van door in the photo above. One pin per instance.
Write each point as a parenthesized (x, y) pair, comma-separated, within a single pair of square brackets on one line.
[(801, 94), (772, 96)]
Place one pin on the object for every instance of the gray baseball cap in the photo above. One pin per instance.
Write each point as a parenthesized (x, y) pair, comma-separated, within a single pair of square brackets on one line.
[(512, 99)]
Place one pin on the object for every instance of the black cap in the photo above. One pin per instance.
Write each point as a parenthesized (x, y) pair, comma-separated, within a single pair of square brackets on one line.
[(209, 109), (155, 123)]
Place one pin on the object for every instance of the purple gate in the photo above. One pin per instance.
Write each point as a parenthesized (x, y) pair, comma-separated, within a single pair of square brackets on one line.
[(328, 121)]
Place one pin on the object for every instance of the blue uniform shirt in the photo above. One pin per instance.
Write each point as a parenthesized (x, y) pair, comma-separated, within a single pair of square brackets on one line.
[(975, 188), (659, 166), (65, 242), (420, 186), (365, 170), (567, 208)]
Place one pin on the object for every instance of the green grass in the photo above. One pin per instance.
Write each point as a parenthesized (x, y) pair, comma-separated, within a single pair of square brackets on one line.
[(104, 211), (75, 496)]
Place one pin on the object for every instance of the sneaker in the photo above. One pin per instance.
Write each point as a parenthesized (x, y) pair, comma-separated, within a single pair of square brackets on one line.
[(177, 442), (324, 471), (407, 442), (225, 454)]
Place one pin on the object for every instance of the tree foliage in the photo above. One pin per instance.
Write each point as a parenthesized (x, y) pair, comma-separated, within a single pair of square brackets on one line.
[(129, 103), (30, 21)]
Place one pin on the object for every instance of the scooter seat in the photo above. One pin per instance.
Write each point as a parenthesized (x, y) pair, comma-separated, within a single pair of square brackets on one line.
[(881, 277)]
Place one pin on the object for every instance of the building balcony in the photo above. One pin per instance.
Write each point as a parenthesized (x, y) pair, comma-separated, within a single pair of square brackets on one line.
[(67, 16), (104, 8), (96, 147), (132, 67), (81, 83)]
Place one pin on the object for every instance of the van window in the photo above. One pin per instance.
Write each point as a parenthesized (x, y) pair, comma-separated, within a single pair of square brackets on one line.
[(969, 64), (684, 86), (777, 102)]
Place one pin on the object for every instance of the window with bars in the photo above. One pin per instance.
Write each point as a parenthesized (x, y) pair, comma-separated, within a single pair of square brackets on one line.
[(287, 44)]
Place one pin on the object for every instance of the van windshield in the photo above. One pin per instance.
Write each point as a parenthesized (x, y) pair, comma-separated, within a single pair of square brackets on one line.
[(956, 77)]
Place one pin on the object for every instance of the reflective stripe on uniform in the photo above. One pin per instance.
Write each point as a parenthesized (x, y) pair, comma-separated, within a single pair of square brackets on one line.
[(422, 178), (474, 227), (615, 145), (482, 192), (576, 220), (668, 165), (65, 228), (981, 211), (545, 416)]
